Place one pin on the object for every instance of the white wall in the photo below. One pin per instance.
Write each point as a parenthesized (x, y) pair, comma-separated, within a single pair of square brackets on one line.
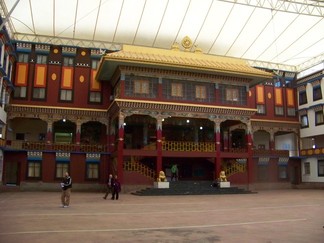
[(313, 177), (312, 130), (286, 142)]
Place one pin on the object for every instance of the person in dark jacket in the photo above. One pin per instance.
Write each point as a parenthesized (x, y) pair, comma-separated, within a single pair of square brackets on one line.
[(116, 188), (66, 190)]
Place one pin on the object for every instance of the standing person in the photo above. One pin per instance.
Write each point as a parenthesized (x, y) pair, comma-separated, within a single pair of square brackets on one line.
[(174, 172), (66, 190), (109, 186), (116, 188)]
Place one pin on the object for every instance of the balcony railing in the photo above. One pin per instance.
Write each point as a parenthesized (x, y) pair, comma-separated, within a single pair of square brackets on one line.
[(66, 147), (312, 152), (188, 146), (264, 152)]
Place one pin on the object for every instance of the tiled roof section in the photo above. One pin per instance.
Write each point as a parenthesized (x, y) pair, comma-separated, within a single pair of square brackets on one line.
[(198, 61)]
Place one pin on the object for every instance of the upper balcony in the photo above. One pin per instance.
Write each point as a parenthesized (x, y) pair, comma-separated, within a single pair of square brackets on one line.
[(55, 147)]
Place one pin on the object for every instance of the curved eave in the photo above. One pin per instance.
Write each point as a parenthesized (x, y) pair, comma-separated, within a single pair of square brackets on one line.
[(167, 108), (110, 63)]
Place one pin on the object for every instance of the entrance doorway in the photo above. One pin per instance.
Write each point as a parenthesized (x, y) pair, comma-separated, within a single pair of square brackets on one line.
[(12, 173)]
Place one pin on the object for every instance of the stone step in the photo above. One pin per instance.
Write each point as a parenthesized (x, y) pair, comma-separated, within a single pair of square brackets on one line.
[(190, 188)]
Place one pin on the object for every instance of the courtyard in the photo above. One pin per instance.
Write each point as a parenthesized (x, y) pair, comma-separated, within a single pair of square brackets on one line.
[(266, 216)]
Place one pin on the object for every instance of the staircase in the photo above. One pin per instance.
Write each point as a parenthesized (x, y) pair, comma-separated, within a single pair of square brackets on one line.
[(190, 188), (134, 165)]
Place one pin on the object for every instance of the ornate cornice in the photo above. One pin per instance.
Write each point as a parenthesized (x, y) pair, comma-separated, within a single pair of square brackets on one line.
[(275, 126), (140, 107), (56, 113)]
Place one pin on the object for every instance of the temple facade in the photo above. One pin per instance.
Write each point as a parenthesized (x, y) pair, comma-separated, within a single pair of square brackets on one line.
[(138, 111)]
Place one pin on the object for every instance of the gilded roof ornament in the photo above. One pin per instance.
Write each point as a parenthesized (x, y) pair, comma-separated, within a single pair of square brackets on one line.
[(175, 47), (186, 43)]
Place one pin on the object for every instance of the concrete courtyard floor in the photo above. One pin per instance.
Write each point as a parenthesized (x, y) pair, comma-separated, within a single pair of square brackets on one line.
[(267, 216)]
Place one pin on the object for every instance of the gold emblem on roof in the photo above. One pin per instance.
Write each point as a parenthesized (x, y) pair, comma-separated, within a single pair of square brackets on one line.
[(186, 43)]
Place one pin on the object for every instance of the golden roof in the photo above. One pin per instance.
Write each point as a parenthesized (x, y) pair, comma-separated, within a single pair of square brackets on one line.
[(191, 61)]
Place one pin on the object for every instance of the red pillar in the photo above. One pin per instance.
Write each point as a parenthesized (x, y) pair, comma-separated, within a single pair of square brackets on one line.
[(49, 135), (120, 149), (159, 148), (218, 160), (250, 163)]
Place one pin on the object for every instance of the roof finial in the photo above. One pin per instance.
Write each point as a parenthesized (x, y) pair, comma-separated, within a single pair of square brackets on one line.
[(186, 43)]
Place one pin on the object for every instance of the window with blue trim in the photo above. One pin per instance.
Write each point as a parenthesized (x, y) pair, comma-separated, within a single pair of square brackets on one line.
[(302, 97), (34, 169), (92, 170), (317, 93), (61, 168), (320, 167)]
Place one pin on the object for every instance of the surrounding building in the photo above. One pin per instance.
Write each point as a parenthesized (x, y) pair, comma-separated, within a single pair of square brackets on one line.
[(7, 61), (310, 87)]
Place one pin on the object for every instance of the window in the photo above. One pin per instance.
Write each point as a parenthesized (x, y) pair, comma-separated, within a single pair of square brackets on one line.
[(20, 92), (94, 64), (304, 121), (41, 59), (68, 61), (302, 97), (307, 168), (22, 57), (291, 111), (34, 169), (282, 170), (20, 136), (320, 167), (319, 118), (232, 94), (39, 93), (201, 92), (261, 109), (61, 168), (95, 97), (176, 90), (66, 95), (92, 170), (317, 93), (279, 111), (141, 87)]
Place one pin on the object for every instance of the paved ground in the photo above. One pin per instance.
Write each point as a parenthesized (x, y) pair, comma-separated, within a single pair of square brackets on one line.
[(268, 216)]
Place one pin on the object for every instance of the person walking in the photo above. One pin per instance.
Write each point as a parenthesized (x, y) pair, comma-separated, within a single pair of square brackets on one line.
[(116, 188), (109, 186), (66, 190), (174, 172)]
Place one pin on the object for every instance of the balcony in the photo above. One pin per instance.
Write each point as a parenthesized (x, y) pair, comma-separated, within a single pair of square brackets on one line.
[(312, 152), (188, 146), (64, 147), (271, 153)]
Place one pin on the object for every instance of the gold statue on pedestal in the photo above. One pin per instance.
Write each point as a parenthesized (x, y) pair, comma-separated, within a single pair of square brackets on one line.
[(222, 176), (162, 176)]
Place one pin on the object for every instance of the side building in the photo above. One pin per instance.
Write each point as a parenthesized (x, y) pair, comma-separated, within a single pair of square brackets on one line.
[(311, 104), (7, 61)]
